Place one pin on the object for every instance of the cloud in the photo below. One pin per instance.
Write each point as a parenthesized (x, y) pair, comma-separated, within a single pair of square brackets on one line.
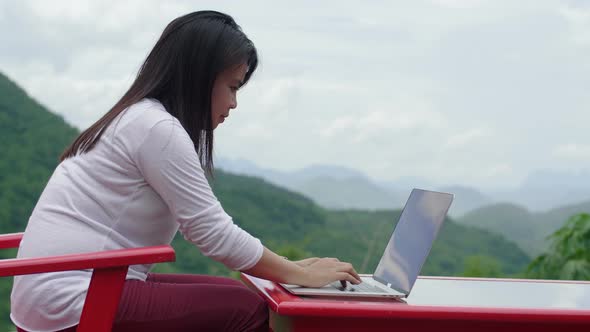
[(498, 170), (382, 123), (573, 151), (578, 19), (467, 138), (78, 96), (461, 4), (274, 94), (470, 92), (254, 131)]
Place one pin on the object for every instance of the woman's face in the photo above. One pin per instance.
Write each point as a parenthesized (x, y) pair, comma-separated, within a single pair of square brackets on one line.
[(224, 97)]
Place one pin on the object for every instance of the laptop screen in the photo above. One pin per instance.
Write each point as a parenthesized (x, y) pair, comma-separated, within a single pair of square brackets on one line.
[(412, 239)]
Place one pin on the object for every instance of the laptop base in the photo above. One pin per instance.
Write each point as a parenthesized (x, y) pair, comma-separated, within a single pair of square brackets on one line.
[(336, 291)]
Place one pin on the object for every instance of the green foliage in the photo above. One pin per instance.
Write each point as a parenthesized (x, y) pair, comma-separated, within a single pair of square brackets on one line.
[(456, 242), (265, 210), (569, 254), (482, 266), (5, 289), (292, 252)]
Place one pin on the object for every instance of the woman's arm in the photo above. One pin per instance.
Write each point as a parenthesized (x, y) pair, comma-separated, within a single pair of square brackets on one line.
[(306, 262), (318, 273)]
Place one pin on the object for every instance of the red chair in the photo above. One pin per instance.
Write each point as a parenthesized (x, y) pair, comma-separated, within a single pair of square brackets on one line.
[(110, 268)]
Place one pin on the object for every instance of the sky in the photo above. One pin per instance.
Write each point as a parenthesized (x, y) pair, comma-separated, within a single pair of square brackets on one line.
[(479, 93)]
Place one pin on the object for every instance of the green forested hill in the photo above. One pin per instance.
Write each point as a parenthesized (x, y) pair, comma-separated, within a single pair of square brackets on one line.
[(361, 236), (277, 216), (528, 229), (288, 222), (32, 138), (265, 210)]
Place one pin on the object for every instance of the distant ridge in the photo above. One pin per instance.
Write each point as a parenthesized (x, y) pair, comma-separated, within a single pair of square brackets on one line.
[(332, 187), (338, 187), (527, 229)]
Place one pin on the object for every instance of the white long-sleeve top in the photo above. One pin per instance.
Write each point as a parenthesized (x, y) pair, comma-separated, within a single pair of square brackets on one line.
[(140, 184)]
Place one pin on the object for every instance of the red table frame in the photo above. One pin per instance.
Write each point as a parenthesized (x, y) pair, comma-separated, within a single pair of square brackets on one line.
[(292, 313)]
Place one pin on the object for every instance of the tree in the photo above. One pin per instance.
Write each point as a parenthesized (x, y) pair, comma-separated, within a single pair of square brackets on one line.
[(569, 253), (482, 266), (292, 252)]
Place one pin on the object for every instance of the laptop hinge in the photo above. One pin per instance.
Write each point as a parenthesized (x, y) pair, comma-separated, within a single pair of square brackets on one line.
[(388, 284)]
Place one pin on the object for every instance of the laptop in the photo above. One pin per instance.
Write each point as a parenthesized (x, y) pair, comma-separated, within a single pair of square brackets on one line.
[(404, 256)]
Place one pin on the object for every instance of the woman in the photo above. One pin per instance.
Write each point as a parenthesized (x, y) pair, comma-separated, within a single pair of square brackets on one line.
[(137, 176)]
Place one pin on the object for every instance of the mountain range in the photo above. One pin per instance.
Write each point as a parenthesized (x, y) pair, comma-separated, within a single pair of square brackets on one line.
[(529, 230), (515, 214), (339, 187)]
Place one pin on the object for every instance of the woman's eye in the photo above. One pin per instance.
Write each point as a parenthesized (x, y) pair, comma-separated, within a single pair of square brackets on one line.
[(234, 88)]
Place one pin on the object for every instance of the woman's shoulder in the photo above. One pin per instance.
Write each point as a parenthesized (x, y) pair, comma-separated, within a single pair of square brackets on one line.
[(150, 110), (148, 117), (143, 116)]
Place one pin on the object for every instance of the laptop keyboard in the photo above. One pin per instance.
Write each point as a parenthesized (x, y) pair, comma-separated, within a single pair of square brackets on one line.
[(362, 287)]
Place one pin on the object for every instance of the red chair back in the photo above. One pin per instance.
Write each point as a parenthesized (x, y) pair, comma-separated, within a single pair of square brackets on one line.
[(108, 277)]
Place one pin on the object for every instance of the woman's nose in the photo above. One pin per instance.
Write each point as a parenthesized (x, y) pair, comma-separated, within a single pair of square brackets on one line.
[(234, 103)]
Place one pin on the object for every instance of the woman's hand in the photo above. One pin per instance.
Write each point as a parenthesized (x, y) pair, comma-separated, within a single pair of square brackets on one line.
[(323, 271), (310, 272)]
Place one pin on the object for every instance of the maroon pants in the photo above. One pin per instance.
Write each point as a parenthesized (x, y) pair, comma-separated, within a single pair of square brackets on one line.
[(186, 302)]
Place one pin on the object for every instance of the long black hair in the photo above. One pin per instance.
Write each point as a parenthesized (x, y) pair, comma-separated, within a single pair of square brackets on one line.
[(180, 72)]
